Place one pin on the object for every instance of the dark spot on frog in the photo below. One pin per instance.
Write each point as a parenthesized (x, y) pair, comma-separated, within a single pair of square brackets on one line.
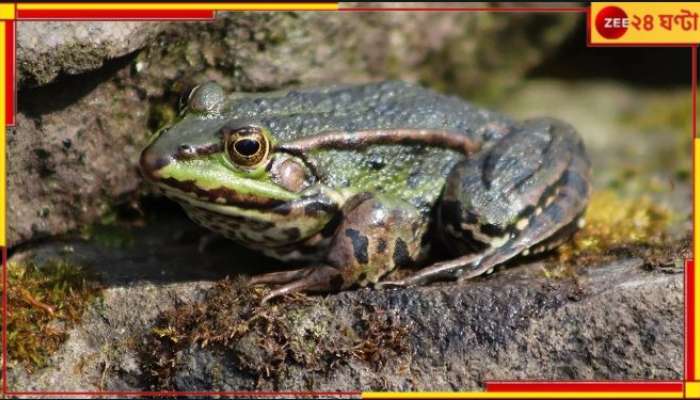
[(332, 225), (415, 177), (259, 225), (319, 206), (359, 245), (67, 143), (526, 212), (376, 164), (283, 209), (492, 230), (362, 277), (452, 211), (292, 233), (401, 256), (381, 245)]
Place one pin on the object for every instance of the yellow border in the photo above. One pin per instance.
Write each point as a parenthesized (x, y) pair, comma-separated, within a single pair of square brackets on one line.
[(523, 395), (176, 6), (696, 250), (3, 137), (7, 12)]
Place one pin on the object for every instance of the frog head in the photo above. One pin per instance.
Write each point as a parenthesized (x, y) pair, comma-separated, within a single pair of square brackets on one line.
[(230, 166)]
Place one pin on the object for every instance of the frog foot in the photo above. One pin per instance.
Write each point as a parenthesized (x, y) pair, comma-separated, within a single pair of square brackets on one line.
[(315, 278), (451, 269)]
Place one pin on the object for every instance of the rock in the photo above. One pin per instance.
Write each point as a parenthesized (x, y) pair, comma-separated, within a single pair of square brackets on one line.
[(90, 93), (625, 325), (81, 159), (620, 317), (48, 49)]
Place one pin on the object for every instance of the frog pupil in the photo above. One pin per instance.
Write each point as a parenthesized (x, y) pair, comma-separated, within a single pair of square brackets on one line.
[(247, 147)]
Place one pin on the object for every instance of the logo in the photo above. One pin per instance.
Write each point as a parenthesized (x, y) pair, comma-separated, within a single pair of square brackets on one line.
[(611, 22)]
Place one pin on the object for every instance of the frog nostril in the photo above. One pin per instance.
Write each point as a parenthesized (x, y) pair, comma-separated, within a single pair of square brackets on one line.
[(186, 150)]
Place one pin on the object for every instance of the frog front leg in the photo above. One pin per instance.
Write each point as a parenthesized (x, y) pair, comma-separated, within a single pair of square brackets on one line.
[(377, 234), (524, 194)]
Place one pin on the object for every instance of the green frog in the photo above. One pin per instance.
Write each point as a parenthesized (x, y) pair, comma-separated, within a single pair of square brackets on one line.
[(347, 183)]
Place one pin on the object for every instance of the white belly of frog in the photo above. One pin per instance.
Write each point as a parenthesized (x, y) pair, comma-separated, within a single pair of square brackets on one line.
[(280, 243)]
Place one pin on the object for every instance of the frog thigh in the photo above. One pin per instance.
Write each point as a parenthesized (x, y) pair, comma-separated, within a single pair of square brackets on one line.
[(529, 189), (378, 233), (557, 222)]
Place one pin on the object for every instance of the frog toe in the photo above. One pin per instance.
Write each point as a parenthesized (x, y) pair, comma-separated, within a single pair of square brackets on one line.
[(278, 278), (313, 279), (395, 284)]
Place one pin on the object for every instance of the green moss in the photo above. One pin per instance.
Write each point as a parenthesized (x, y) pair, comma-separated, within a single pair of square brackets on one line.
[(613, 221), (44, 301), (266, 340)]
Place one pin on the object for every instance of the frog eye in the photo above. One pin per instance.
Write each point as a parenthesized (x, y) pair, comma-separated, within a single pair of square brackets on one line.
[(246, 146), (205, 98)]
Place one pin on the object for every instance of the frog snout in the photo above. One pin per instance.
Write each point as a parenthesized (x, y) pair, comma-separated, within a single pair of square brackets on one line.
[(151, 161)]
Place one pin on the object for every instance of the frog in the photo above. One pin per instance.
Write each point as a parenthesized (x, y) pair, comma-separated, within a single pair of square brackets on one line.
[(343, 184)]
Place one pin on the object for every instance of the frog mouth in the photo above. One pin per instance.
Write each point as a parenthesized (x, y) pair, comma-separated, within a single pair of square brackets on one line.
[(311, 205), (221, 196)]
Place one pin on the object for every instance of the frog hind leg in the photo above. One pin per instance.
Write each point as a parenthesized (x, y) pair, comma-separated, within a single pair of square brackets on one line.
[(472, 265), (314, 278), (552, 176), (377, 234), (548, 227), (280, 277)]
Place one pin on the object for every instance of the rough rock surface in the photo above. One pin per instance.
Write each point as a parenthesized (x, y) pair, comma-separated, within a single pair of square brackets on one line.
[(619, 318), (75, 47), (90, 92)]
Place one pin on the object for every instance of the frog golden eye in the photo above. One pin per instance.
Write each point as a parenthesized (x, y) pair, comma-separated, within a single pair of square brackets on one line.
[(247, 146)]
